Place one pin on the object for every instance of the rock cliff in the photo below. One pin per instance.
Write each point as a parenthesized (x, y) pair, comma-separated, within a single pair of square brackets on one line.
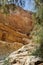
[(16, 25), (15, 29)]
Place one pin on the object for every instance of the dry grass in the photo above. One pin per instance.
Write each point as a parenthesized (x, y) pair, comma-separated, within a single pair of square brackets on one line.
[(6, 47)]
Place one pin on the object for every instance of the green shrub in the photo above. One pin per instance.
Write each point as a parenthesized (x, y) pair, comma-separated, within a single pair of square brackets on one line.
[(39, 51), (6, 62)]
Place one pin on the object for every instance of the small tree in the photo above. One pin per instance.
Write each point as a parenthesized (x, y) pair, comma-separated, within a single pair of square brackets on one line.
[(39, 20), (39, 50), (39, 12)]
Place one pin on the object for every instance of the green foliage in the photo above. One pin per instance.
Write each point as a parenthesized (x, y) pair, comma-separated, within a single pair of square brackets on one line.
[(39, 39), (38, 34), (39, 12), (6, 62), (5, 8), (38, 16), (39, 51)]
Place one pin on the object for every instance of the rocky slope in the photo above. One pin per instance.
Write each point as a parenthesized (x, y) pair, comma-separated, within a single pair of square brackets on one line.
[(15, 29), (23, 56)]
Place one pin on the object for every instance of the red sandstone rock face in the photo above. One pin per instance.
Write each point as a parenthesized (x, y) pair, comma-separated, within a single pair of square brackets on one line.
[(22, 21), (14, 25), (12, 29), (19, 20)]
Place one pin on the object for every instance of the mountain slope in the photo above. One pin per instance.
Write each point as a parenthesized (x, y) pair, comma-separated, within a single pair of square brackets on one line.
[(15, 29)]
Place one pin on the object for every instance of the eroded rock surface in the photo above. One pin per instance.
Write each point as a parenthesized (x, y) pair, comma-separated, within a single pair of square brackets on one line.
[(16, 25), (23, 55)]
